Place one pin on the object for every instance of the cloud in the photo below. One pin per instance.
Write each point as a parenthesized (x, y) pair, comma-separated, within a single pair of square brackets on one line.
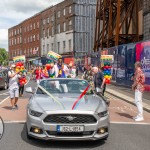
[(15, 11), (4, 38)]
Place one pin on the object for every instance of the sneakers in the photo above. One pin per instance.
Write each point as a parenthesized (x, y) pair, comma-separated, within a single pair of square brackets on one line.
[(16, 106), (139, 119)]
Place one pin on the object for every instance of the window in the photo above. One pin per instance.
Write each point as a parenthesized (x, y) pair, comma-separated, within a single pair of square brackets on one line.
[(24, 29), (27, 28), (15, 41), (30, 50), (69, 45), (34, 38), (47, 32), (25, 40), (48, 20), (12, 33), (52, 18), (20, 52), (15, 31), (28, 40), (70, 9), (64, 26), (52, 46), (58, 14), (34, 26), (70, 24), (31, 38), (20, 30), (52, 31), (47, 48), (24, 51), (20, 40), (43, 33), (64, 11), (9, 42), (12, 42), (58, 28), (37, 36), (64, 46), (43, 49), (58, 47), (43, 21), (37, 24), (31, 27)]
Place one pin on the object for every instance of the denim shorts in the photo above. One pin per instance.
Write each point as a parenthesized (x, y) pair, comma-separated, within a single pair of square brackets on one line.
[(14, 93)]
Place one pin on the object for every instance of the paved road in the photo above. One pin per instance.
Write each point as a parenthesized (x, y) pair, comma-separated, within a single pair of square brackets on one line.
[(122, 137), (125, 134)]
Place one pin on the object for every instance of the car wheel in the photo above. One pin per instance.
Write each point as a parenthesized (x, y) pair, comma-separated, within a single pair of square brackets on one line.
[(5, 86)]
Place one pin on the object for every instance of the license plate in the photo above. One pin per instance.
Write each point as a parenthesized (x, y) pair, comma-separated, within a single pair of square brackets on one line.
[(70, 128)]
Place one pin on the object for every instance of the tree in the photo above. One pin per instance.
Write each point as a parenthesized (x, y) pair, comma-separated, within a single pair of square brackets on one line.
[(3, 57)]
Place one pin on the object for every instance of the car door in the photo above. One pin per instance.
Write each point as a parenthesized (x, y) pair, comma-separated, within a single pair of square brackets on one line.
[(1, 80)]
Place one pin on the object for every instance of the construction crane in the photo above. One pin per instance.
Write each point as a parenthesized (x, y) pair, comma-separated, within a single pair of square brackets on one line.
[(117, 22)]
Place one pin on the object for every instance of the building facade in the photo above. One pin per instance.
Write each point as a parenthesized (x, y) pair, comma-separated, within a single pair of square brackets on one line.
[(146, 15), (66, 28)]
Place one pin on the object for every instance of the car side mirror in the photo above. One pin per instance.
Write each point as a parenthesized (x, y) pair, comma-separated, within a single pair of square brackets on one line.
[(29, 90)]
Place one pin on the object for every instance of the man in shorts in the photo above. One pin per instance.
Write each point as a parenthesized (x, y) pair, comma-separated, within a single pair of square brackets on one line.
[(13, 86)]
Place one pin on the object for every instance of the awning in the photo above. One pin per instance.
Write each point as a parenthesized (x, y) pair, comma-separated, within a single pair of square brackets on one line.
[(32, 59)]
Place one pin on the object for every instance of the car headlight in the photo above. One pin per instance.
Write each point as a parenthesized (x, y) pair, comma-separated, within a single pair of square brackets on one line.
[(103, 114), (35, 113)]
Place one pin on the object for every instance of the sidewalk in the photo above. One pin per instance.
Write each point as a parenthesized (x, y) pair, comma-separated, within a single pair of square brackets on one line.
[(127, 95)]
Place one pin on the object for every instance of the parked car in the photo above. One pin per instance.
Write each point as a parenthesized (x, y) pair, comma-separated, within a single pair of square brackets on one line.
[(66, 109), (4, 79)]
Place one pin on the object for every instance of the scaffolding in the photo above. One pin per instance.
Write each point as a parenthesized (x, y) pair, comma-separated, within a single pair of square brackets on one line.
[(117, 22)]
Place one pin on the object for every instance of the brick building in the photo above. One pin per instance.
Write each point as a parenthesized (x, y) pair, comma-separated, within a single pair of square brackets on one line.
[(66, 28)]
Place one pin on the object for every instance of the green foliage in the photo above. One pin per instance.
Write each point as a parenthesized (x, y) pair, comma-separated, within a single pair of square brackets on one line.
[(3, 57)]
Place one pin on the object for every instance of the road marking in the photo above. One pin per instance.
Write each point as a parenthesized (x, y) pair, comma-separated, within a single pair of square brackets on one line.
[(134, 123), (21, 121), (9, 96), (4, 100), (4, 93)]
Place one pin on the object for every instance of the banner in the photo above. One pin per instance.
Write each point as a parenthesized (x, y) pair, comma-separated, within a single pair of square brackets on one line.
[(143, 55), (53, 56), (19, 59)]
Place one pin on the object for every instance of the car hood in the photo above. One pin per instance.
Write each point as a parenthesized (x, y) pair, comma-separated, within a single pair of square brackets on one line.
[(66, 102)]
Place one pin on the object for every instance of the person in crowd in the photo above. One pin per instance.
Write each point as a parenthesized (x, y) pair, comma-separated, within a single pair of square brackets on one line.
[(101, 69), (53, 70), (99, 80), (138, 87), (13, 86), (38, 73), (21, 82), (62, 69), (88, 75)]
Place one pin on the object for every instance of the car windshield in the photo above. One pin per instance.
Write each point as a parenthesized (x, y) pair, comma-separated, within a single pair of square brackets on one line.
[(58, 86)]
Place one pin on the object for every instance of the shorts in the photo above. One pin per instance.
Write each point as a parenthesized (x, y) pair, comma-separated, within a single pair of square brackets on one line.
[(14, 93)]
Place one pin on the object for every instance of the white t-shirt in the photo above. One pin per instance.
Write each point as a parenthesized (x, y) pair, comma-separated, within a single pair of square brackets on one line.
[(13, 82)]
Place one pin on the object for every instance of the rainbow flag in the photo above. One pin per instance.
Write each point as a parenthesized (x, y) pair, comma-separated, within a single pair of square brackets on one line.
[(53, 56), (19, 59)]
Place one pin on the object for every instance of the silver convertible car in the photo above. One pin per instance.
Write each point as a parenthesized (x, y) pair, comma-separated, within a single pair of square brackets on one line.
[(66, 109)]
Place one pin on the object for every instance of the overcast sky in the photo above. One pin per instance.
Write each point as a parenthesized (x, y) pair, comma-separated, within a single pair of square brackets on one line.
[(15, 11)]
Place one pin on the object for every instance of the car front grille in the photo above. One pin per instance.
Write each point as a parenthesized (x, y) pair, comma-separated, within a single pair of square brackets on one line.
[(72, 134), (70, 119)]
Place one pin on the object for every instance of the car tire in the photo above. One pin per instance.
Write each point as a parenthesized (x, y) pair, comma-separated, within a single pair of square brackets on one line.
[(5, 86)]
